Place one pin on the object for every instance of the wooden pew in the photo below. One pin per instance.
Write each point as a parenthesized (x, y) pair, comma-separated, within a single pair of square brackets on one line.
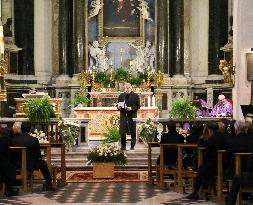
[(23, 172), (62, 169), (220, 154), (180, 172), (162, 169), (238, 157), (150, 166)]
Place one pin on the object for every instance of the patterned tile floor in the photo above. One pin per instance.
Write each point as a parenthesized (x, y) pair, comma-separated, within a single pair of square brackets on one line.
[(103, 193)]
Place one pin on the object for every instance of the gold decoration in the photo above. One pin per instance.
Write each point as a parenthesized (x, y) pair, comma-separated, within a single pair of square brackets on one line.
[(148, 80), (227, 71), (111, 74), (158, 78), (83, 78)]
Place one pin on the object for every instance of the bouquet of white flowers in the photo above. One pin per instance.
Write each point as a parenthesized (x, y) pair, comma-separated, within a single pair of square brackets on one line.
[(107, 152), (40, 135), (69, 131), (148, 131)]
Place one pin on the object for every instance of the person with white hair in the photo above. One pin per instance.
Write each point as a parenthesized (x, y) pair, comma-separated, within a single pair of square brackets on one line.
[(128, 105), (223, 108)]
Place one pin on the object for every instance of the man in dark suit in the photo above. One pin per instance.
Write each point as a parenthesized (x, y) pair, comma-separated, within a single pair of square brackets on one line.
[(7, 169), (241, 142), (172, 137), (129, 103), (244, 179), (34, 159)]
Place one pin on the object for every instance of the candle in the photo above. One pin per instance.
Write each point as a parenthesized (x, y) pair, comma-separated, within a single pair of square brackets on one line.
[(149, 101), (111, 63), (153, 101)]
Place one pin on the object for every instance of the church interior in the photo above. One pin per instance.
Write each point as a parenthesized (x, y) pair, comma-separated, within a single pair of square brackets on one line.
[(126, 102)]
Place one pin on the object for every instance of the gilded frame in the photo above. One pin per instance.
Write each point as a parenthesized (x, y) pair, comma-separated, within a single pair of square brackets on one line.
[(105, 39)]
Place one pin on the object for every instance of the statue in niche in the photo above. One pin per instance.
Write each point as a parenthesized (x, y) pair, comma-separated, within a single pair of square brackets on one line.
[(226, 70), (145, 57), (96, 6), (138, 64), (98, 59), (144, 10), (7, 31), (149, 53)]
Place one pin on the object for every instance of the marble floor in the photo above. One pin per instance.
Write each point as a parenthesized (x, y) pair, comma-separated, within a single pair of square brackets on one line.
[(103, 193)]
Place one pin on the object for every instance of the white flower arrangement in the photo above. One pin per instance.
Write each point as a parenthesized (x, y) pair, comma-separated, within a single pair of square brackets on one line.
[(107, 152), (69, 131), (40, 135), (148, 131)]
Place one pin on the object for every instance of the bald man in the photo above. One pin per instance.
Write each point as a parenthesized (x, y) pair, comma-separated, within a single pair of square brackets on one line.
[(129, 103), (223, 108)]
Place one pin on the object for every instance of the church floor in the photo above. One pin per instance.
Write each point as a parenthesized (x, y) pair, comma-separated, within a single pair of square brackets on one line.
[(103, 193)]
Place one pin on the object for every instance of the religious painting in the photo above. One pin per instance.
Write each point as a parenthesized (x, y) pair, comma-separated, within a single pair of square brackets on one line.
[(121, 20)]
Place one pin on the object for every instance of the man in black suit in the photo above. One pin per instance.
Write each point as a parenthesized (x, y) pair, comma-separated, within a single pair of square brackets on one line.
[(129, 103), (172, 137), (34, 159), (7, 169), (244, 179)]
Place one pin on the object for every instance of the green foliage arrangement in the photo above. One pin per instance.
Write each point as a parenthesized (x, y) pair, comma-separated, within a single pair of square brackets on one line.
[(107, 152), (100, 77), (121, 75), (142, 76), (183, 109), (112, 135), (148, 131), (39, 109), (80, 98)]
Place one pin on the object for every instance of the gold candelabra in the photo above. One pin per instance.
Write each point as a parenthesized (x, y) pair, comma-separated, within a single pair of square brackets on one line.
[(93, 83), (130, 70), (148, 80), (3, 72), (158, 78), (111, 72)]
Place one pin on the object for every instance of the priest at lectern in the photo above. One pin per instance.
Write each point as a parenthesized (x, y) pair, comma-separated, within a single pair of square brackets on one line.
[(128, 105)]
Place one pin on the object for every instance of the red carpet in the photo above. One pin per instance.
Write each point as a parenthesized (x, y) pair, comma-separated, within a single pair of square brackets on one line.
[(119, 176)]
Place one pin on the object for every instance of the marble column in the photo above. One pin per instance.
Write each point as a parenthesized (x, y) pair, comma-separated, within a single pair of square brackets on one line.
[(218, 33), (177, 36), (79, 36), (43, 40), (65, 37), (162, 36), (199, 20)]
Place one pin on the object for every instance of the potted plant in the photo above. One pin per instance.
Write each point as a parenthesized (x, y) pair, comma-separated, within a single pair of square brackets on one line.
[(104, 157), (112, 135), (148, 131), (183, 109), (39, 109), (80, 99)]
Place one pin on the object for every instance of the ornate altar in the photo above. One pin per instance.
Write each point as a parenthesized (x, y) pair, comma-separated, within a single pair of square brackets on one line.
[(103, 117), (110, 99), (56, 102)]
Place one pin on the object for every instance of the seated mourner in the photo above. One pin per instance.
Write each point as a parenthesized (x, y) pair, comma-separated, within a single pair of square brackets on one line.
[(244, 179), (241, 142), (212, 140), (172, 137), (34, 159), (7, 170)]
